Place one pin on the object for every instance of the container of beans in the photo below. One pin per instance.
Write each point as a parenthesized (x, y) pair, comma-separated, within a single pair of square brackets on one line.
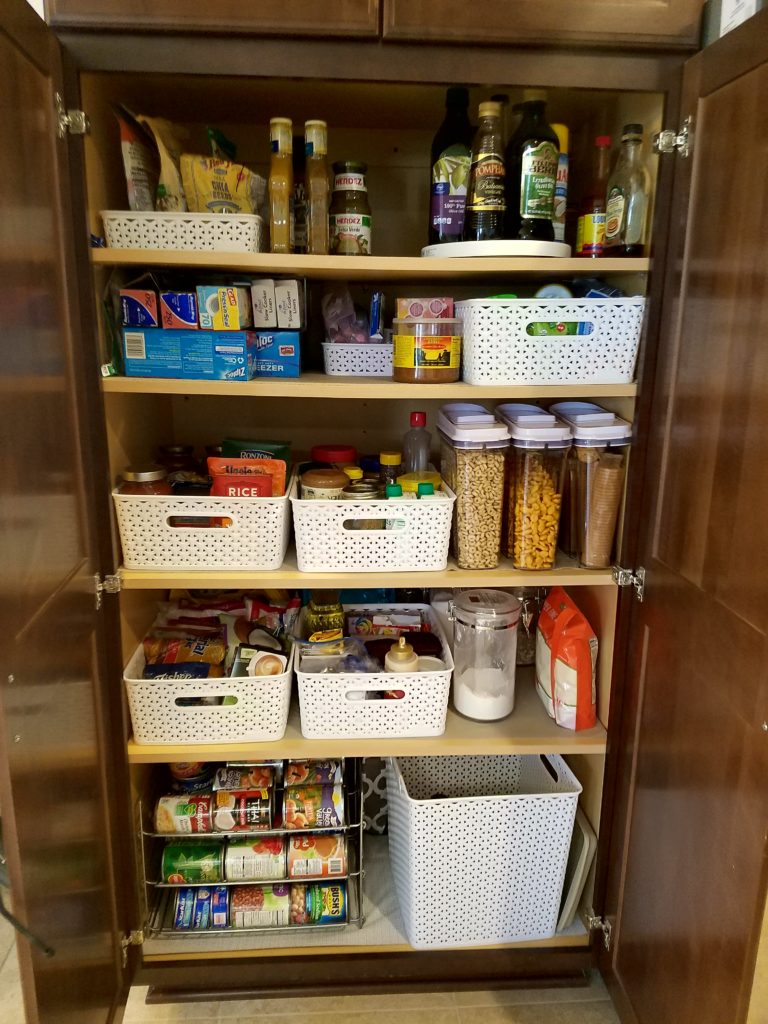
[(473, 447), (595, 480), (535, 488)]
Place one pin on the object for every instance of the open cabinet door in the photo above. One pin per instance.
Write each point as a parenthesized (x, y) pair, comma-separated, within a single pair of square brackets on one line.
[(54, 722), (688, 860)]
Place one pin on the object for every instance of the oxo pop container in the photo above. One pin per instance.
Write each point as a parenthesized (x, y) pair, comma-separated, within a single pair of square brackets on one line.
[(535, 488), (473, 448), (595, 481)]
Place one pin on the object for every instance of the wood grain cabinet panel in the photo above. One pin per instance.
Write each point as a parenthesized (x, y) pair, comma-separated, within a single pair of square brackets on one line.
[(260, 17), (601, 22)]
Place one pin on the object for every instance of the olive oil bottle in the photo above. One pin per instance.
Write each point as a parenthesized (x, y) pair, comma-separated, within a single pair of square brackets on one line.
[(531, 161)]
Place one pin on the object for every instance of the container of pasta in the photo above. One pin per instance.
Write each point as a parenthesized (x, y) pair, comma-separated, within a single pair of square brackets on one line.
[(535, 489), (595, 476)]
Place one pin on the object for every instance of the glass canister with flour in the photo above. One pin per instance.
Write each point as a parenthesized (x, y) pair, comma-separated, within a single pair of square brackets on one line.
[(484, 652)]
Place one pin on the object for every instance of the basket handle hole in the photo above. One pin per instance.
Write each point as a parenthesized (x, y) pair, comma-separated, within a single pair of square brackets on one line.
[(199, 522), (367, 525), (550, 767), (206, 701), (374, 695), (555, 329)]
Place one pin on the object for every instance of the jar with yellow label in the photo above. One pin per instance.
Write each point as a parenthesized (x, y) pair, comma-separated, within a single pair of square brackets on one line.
[(426, 351)]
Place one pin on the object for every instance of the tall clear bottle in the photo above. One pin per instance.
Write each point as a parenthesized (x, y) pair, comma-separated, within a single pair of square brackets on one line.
[(531, 161), (484, 216), (317, 186), (626, 206), (416, 443), (280, 184), (450, 161)]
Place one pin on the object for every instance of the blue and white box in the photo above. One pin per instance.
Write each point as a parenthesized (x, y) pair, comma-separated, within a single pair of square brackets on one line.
[(278, 354), (192, 355)]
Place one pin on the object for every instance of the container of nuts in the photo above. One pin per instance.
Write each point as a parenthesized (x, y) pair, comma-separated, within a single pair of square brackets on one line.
[(535, 489), (473, 449)]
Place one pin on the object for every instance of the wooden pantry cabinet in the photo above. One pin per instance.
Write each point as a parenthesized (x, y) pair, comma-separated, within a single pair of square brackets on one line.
[(673, 776)]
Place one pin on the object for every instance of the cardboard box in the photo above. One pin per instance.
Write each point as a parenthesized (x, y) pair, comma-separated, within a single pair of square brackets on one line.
[(435, 307), (139, 307), (278, 354), (263, 302), (179, 310), (191, 355), (226, 308), (289, 305)]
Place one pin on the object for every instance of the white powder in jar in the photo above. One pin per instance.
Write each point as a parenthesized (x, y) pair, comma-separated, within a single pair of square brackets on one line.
[(484, 693)]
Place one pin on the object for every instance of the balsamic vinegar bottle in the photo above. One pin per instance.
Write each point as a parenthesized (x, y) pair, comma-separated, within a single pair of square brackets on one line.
[(484, 216)]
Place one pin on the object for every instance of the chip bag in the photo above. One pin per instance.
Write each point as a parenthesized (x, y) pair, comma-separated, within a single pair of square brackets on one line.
[(566, 657)]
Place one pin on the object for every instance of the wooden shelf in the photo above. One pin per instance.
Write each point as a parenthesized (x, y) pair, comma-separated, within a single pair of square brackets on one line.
[(366, 268), (319, 385), (528, 730), (566, 573)]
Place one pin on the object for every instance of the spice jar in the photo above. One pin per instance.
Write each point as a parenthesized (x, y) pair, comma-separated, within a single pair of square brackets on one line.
[(323, 612), (484, 652), (596, 471), (391, 467), (472, 464), (350, 214), (150, 479), (427, 351), (323, 484), (535, 487)]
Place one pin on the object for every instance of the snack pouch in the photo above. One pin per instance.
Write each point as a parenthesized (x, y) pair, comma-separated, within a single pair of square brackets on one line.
[(167, 137), (140, 161), (212, 185), (566, 657)]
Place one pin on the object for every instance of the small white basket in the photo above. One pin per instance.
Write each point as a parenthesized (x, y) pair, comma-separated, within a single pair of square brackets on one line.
[(417, 540), (259, 712), (357, 360), (256, 540), (333, 705), (221, 232), (479, 846), (498, 350)]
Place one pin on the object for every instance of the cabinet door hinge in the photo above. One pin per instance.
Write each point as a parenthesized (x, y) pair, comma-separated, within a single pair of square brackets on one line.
[(627, 578), (599, 924), (76, 122), (671, 141), (110, 584), (133, 938)]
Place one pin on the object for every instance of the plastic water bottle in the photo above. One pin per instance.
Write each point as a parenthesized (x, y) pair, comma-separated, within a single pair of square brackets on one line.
[(416, 444)]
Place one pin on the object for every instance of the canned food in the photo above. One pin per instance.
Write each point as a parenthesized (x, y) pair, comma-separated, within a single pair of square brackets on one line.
[(250, 859), (188, 813), (184, 909), (245, 811), (191, 776), (192, 862), (319, 904), (313, 807), (313, 773), (244, 776), (201, 907), (260, 906), (318, 856)]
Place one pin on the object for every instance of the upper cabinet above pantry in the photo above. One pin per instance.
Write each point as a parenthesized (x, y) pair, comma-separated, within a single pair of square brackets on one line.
[(358, 18), (614, 23)]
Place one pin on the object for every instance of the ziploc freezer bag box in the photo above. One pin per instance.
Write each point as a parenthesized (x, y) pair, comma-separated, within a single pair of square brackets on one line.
[(192, 355), (278, 354)]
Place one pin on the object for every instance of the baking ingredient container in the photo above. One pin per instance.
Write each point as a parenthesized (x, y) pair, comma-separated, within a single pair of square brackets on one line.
[(596, 470), (484, 652), (427, 350), (472, 464), (534, 490)]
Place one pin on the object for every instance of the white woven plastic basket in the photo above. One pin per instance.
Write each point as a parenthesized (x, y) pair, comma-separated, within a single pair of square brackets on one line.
[(335, 705), (417, 543), (257, 538), (222, 232), (259, 711), (498, 350), (357, 360), (479, 846)]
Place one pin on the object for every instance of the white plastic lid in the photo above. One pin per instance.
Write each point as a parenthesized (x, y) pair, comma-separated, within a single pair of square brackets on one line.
[(465, 413), (474, 435), (512, 412), (592, 426), (527, 434)]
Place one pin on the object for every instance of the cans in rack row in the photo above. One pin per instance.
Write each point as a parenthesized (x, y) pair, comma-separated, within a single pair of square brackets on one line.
[(273, 857), (260, 906), (304, 807)]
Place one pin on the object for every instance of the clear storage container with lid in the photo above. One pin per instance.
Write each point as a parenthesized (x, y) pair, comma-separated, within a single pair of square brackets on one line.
[(596, 471), (535, 487), (472, 464), (484, 653)]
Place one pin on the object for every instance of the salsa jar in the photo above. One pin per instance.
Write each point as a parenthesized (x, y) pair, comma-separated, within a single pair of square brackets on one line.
[(144, 480), (350, 214)]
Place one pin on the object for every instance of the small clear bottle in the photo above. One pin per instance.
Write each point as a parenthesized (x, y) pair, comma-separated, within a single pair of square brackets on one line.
[(626, 206), (416, 444)]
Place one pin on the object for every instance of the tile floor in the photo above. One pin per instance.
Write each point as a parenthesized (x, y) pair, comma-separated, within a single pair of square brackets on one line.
[(526, 1006)]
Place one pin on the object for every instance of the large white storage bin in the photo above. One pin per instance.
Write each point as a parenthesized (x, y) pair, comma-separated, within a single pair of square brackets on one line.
[(479, 846), (260, 711), (257, 538), (333, 705), (325, 542), (498, 350), (220, 232)]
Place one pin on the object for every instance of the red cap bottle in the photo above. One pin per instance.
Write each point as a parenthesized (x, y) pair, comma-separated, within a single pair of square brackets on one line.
[(418, 419)]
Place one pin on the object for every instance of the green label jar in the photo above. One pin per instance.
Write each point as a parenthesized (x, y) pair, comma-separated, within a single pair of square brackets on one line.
[(350, 213)]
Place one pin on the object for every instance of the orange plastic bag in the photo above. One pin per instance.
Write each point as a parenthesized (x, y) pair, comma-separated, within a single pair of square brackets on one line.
[(566, 658), (275, 469)]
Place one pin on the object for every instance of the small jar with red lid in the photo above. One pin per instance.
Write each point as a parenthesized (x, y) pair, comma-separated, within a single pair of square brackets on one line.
[(149, 479), (335, 454)]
